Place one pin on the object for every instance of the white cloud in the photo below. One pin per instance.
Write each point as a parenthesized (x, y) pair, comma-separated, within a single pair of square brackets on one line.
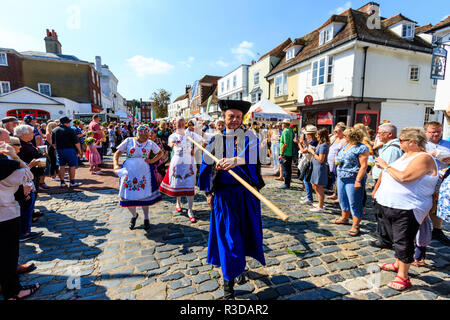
[(188, 62), (148, 66), (243, 51), (341, 9), (222, 63)]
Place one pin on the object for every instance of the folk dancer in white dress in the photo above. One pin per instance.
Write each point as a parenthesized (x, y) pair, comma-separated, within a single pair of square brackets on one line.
[(180, 179), (138, 187)]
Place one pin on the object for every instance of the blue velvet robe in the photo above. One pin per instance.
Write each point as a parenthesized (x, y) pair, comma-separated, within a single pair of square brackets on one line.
[(236, 227)]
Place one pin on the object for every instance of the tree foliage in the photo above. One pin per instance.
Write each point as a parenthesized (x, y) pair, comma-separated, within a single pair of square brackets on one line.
[(161, 100)]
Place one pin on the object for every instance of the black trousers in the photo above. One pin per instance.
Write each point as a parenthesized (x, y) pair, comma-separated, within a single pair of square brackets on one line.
[(286, 164), (383, 235), (9, 257), (402, 228)]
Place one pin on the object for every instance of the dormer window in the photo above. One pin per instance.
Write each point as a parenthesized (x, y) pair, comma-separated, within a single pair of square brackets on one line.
[(407, 30), (326, 35), (290, 54)]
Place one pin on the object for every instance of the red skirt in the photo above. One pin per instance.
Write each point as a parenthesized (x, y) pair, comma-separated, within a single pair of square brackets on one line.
[(174, 191)]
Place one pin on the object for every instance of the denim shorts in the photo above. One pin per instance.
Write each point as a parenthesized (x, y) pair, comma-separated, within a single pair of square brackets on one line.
[(67, 157)]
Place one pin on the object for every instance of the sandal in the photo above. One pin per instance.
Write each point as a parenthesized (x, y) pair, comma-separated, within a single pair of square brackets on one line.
[(419, 263), (179, 209), (341, 221), (33, 288), (22, 270), (133, 222), (192, 220), (355, 232), (404, 283), (389, 267)]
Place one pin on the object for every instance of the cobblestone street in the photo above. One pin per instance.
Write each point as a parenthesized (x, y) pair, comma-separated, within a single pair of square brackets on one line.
[(87, 252)]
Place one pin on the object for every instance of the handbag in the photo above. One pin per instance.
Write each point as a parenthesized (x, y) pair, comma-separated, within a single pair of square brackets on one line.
[(305, 168)]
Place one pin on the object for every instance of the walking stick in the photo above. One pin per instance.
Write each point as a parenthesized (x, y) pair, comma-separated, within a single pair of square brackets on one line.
[(271, 206)]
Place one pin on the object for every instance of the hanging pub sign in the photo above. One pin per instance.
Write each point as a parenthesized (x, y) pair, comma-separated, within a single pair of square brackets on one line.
[(438, 63), (368, 118)]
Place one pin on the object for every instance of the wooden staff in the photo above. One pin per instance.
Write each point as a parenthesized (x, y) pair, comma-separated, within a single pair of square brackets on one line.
[(271, 206)]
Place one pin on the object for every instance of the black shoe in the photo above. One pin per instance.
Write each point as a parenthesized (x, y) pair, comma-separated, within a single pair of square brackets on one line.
[(380, 245), (133, 222), (31, 235), (228, 290), (439, 235), (146, 224), (241, 279), (37, 214)]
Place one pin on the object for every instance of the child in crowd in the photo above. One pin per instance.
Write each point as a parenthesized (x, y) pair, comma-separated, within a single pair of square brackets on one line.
[(94, 155)]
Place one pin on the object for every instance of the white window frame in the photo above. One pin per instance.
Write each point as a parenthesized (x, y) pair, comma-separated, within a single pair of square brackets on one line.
[(407, 30), (330, 69), (326, 35), (256, 78), (281, 89), (290, 54), (410, 69), (234, 81), (6, 59), (49, 88), (317, 68), (228, 84), (223, 87), (1, 87)]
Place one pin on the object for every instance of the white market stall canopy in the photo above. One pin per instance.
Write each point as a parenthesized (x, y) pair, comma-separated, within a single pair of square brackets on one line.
[(266, 110)]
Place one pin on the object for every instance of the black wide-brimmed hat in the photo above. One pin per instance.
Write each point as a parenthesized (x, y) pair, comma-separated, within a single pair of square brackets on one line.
[(241, 105)]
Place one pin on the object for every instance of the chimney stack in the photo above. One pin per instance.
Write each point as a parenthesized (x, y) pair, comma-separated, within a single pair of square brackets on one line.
[(52, 45), (98, 64)]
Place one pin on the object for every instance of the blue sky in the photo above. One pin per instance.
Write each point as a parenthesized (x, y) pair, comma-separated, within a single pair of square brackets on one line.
[(152, 44)]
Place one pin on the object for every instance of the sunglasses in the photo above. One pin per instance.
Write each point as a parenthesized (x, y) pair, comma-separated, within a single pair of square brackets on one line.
[(403, 140)]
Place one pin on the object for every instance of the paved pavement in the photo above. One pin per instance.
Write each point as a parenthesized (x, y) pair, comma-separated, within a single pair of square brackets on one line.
[(87, 252)]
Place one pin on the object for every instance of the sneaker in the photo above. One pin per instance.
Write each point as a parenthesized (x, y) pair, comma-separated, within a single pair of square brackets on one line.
[(317, 210), (306, 201), (75, 184), (31, 235), (63, 184), (56, 179)]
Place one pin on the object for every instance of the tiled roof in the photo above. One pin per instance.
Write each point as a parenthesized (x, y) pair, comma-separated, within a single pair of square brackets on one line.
[(355, 28), (277, 51), (209, 79), (423, 29), (395, 19), (51, 56), (442, 24), (296, 42), (184, 96)]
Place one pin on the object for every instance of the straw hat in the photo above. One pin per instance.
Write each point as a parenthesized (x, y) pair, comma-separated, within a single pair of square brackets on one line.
[(310, 129)]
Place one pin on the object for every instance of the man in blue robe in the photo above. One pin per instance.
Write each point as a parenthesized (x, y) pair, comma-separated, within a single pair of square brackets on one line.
[(236, 227)]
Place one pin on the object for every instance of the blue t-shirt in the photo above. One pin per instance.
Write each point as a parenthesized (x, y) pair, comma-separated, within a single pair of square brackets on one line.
[(349, 165)]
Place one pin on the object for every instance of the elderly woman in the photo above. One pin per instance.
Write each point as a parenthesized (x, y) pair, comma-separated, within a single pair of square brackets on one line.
[(404, 191), (13, 174), (337, 143), (180, 178), (138, 187), (351, 178), (30, 155)]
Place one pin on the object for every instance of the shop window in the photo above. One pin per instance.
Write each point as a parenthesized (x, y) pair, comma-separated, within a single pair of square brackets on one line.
[(40, 115)]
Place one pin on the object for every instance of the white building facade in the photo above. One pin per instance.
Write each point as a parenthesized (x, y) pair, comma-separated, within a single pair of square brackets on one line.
[(441, 36), (234, 86), (111, 98)]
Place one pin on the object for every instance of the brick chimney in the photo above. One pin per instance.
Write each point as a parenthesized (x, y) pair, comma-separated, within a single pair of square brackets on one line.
[(52, 45), (370, 8)]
